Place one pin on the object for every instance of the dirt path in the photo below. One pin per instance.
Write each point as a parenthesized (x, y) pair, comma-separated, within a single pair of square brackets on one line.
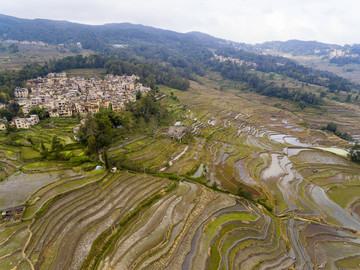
[(23, 250)]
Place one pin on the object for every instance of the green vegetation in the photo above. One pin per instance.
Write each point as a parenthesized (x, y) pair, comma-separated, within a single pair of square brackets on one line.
[(235, 72), (41, 112), (10, 111), (333, 128), (242, 192), (144, 114), (354, 152), (290, 68)]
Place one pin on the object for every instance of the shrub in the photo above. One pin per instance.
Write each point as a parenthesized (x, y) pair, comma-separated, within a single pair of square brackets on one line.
[(244, 193), (76, 161)]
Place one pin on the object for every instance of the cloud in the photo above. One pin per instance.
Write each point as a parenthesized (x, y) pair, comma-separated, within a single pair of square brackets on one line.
[(243, 20)]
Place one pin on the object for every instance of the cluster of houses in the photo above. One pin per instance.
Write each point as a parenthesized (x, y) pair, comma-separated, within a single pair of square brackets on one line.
[(25, 42), (64, 96), (340, 53), (221, 58), (19, 122)]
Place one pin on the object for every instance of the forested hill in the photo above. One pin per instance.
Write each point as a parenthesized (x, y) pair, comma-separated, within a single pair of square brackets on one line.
[(97, 37), (100, 37), (298, 47)]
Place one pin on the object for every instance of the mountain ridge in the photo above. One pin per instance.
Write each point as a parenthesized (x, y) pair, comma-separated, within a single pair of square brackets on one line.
[(63, 31)]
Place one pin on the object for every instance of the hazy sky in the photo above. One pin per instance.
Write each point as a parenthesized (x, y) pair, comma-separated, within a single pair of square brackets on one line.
[(249, 21)]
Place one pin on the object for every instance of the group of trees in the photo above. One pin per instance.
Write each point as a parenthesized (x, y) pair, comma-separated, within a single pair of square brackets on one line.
[(290, 68), (6, 93), (192, 59), (13, 48), (98, 130), (41, 112), (148, 108), (333, 128), (236, 72), (342, 61), (10, 111)]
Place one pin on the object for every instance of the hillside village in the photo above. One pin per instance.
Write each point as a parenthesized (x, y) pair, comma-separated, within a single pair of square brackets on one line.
[(222, 58), (65, 96)]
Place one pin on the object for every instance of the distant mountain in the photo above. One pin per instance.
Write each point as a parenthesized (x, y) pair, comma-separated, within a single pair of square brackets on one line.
[(298, 47), (99, 36), (187, 52)]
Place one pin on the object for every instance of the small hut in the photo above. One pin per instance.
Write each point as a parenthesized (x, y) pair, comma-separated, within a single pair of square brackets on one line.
[(177, 132)]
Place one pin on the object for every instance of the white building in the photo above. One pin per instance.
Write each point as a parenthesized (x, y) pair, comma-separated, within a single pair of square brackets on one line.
[(21, 92), (22, 123), (26, 122)]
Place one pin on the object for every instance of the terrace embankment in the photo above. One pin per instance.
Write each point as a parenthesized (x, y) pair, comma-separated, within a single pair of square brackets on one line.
[(253, 189)]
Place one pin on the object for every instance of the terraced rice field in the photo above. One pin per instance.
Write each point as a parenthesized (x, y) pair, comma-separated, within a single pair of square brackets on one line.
[(299, 206), (283, 165)]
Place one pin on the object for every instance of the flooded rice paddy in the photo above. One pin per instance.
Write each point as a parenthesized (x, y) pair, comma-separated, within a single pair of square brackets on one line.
[(17, 188)]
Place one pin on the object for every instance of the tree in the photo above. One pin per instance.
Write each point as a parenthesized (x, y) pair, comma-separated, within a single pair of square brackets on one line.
[(56, 147), (138, 95), (244, 193), (29, 139), (4, 98), (9, 128), (44, 151), (91, 143), (113, 116), (7, 90), (331, 127), (173, 97), (42, 146), (127, 120), (4, 113), (41, 112), (14, 107), (56, 144), (104, 132), (97, 132), (354, 152)]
